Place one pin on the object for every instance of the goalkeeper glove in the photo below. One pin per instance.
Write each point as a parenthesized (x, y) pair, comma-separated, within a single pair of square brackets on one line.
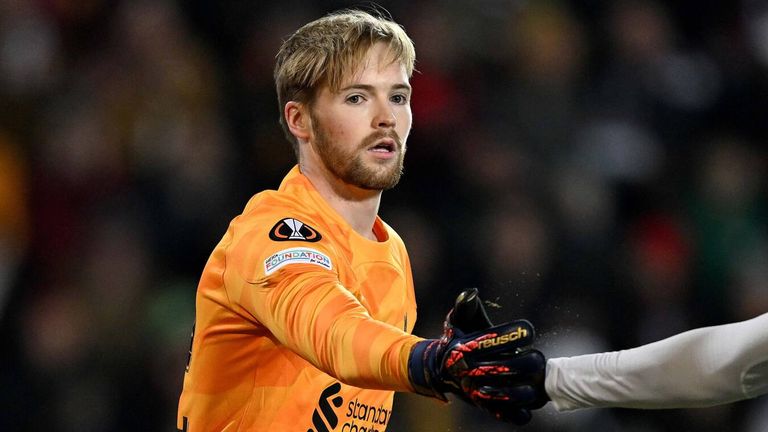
[(492, 367)]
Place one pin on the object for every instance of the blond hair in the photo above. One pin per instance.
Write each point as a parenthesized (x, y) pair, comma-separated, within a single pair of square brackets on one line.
[(328, 50)]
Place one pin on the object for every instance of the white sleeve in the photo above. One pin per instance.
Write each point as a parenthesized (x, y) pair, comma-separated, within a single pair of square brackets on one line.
[(702, 367)]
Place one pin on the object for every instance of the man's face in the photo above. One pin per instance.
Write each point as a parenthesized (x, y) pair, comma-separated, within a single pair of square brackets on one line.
[(360, 132)]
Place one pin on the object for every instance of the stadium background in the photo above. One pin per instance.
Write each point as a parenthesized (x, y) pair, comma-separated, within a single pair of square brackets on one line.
[(596, 166)]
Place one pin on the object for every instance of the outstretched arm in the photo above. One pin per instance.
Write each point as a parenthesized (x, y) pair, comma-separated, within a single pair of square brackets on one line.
[(702, 367)]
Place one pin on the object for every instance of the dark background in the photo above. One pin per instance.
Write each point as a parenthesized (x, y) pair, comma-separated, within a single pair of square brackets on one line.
[(598, 167)]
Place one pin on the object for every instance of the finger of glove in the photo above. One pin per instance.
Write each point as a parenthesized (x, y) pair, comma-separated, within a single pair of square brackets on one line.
[(517, 396), (525, 363), (519, 380), (468, 314), (529, 394), (525, 367)]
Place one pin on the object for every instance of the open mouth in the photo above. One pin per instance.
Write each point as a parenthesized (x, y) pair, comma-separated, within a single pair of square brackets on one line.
[(384, 146)]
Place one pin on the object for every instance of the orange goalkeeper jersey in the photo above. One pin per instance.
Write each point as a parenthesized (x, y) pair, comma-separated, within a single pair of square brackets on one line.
[(302, 324)]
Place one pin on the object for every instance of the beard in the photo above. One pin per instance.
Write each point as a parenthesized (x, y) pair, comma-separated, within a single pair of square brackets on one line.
[(351, 168)]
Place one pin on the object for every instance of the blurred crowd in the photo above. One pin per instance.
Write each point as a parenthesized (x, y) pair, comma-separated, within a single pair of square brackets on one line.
[(595, 166)]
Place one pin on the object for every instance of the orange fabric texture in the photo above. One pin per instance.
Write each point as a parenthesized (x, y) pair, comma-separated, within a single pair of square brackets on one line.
[(301, 323)]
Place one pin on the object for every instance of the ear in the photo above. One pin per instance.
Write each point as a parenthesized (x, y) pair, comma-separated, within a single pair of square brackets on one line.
[(298, 120)]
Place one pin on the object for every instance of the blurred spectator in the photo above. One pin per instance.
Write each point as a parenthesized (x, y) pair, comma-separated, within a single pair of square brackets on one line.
[(728, 220), (659, 266), (14, 216)]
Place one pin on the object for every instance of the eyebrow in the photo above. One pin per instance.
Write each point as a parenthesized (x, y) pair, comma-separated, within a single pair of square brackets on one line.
[(371, 89)]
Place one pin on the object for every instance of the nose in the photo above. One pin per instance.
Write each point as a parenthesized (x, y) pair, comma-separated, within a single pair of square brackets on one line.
[(385, 116)]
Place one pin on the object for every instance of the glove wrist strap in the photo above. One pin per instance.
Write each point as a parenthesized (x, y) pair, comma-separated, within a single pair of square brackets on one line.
[(421, 368)]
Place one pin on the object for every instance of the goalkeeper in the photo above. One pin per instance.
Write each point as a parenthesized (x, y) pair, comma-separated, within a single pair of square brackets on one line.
[(305, 307)]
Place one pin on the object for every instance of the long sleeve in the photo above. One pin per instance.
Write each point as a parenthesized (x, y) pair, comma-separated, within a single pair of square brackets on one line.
[(309, 312), (702, 367)]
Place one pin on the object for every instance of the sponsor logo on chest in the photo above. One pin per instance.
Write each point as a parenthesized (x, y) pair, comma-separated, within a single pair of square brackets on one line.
[(359, 416)]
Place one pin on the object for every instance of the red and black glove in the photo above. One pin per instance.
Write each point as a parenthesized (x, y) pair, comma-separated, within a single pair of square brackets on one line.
[(492, 367)]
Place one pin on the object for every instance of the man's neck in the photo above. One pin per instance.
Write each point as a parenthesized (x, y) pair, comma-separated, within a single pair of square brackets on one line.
[(357, 206)]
